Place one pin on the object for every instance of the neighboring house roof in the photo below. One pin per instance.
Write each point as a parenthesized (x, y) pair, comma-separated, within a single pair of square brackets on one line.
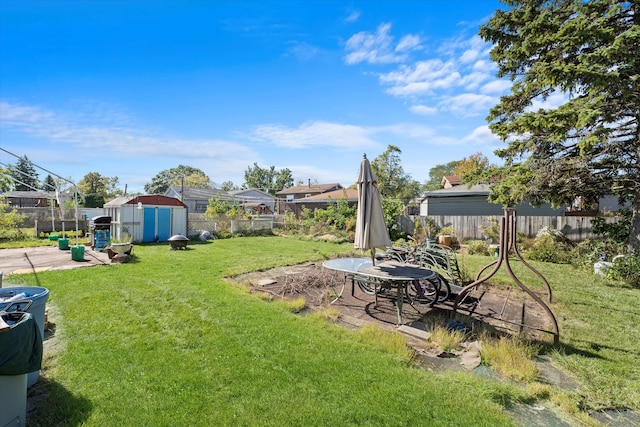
[(460, 190), (30, 194), (249, 190), (450, 181), (152, 199), (310, 188), (189, 193), (35, 194), (350, 193)]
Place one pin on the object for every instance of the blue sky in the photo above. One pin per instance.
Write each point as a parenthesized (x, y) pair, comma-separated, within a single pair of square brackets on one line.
[(131, 88)]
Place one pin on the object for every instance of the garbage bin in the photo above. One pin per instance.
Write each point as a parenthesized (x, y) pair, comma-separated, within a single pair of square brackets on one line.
[(16, 299), (100, 226), (20, 353)]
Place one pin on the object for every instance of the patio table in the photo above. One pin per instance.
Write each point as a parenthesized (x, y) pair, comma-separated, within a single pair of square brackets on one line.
[(384, 275)]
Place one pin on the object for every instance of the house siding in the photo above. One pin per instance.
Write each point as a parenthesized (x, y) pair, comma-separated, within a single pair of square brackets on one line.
[(478, 205)]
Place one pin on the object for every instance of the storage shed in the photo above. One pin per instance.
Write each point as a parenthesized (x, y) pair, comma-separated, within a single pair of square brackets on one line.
[(149, 218), (461, 200)]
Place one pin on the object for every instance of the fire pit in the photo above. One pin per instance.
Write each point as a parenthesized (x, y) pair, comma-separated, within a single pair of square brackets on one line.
[(178, 241)]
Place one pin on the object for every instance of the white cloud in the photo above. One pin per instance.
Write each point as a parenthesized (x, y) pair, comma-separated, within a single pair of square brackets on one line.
[(353, 16), (407, 43), (109, 137), (406, 130), (474, 48), (378, 47), (423, 110), (314, 133), (431, 69), (481, 135), (423, 78), (303, 51), (468, 104), (473, 80), (485, 66), (461, 80), (496, 87)]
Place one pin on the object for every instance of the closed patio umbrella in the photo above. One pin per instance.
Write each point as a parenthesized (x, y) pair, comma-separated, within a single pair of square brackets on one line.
[(371, 229)]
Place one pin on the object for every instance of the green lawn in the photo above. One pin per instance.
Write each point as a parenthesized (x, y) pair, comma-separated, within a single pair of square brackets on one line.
[(599, 333), (165, 340)]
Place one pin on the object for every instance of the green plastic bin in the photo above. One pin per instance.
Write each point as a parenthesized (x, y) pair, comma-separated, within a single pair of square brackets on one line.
[(77, 253), (63, 243)]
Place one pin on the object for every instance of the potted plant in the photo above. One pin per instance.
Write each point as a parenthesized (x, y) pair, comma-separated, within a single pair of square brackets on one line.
[(122, 245)]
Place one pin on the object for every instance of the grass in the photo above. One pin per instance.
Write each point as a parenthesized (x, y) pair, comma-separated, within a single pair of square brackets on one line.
[(599, 337), (28, 239), (445, 339), (512, 357), (165, 340)]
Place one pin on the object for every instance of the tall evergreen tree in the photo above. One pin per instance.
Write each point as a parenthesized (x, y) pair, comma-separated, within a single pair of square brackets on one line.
[(589, 145), (24, 175), (49, 184)]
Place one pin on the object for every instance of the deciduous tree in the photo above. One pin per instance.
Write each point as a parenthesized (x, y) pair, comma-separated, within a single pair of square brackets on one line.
[(190, 176), (437, 172), (269, 180), (393, 181), (588, 54)]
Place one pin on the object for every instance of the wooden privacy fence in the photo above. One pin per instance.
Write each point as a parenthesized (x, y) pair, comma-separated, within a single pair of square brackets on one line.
[(69, 225), (575, 228)]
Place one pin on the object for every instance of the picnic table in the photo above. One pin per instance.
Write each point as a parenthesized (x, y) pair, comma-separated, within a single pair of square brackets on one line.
[(384, 275)]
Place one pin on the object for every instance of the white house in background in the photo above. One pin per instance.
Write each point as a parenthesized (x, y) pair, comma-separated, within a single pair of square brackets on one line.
[(256, 200), (197, 199), (150, 218)]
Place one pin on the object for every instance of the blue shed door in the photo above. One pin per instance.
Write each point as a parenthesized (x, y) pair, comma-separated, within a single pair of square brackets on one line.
[(149, 230), (164, 224)]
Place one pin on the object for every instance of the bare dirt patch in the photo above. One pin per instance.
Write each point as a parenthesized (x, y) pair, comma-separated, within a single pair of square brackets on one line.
[(320, 287)]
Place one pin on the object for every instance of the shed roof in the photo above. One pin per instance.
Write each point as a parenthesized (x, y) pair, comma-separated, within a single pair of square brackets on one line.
[(310, 188), (244, 191), (191, 193), (149, 199), (350, 193), (460, 191)]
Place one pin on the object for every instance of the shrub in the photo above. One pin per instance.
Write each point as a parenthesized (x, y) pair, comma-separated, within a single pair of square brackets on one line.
[(588, 252), (626, 269), (10, 221), (492, 230), (478, 247), (617, 231), (550, 245)]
